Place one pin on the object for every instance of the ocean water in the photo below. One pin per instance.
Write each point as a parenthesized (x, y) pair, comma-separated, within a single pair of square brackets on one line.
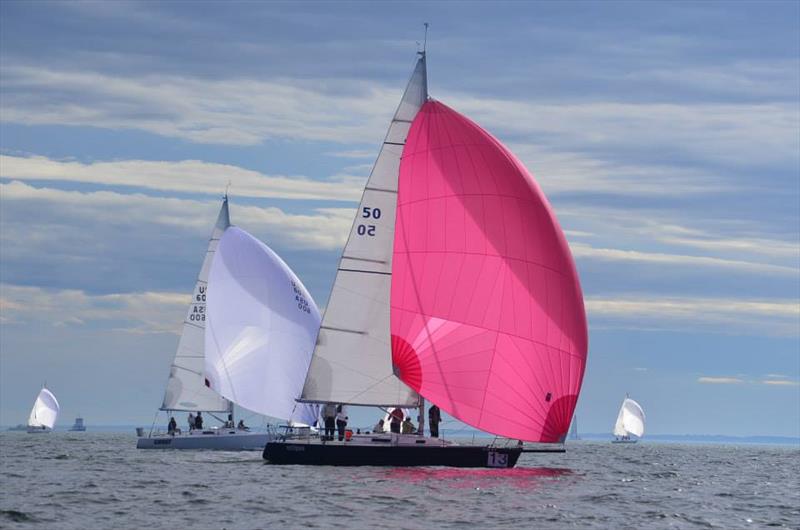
[(100, 481)]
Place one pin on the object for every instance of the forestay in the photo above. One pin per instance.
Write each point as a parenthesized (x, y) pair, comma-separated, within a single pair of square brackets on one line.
[(630, 419), (260, 329), (352, 360), (45, 410), (186, 388), (487, 314)]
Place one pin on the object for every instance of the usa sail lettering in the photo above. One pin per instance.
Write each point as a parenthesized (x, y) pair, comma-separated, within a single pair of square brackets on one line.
[(299, 297), (368, 212), (197, 311)]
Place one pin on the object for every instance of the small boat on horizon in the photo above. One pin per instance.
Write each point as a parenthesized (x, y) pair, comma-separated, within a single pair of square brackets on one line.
[(630, 422), (44, 412), (78, 426), (455, 286)]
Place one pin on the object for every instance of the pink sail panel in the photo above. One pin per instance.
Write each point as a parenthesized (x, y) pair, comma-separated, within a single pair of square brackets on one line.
[(487, 314)]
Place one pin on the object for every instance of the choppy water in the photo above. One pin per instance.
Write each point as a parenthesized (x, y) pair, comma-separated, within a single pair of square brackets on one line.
[(93, 480)]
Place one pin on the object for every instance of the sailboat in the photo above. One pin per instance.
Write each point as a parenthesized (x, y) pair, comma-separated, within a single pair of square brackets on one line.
[(44, 412), (630, 422), (213, 369), (573, 433), (456, 285)]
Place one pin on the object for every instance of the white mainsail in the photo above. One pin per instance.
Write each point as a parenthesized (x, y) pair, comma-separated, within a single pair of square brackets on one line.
[(261, 324), (352, 361), (630, 419), (45, 410), (186, 388)]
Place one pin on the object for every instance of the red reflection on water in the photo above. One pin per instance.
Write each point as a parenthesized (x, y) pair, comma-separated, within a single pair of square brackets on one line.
[(518, 477)]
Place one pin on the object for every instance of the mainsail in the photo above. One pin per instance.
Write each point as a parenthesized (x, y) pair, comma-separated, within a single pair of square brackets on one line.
[(186, 388), (261, 324), (630, 419), (487, 313), (352, 361), (45, 410)]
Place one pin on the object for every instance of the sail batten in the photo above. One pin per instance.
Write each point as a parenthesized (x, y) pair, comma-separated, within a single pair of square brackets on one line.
[(354, 336), (186, 389)]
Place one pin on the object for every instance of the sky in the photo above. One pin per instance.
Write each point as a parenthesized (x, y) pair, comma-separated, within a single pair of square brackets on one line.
[(665, 135)]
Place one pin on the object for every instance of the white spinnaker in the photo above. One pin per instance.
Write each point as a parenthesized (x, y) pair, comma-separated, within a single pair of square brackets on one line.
[(630, 419), (260, 329), (186, 388), (352, 361), (45, 410)]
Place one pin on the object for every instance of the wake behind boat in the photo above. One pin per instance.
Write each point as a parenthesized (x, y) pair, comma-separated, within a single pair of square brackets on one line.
[(456, 284)]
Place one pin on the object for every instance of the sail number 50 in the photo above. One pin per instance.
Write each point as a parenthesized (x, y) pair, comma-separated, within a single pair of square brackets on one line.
[(368, 213)]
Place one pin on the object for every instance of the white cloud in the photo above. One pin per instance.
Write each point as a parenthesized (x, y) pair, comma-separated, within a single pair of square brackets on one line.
[(720, 380), (221, 111), (145, 312), (187, 176), (321, 228), (721, 315), (780, 382), (582, 250)]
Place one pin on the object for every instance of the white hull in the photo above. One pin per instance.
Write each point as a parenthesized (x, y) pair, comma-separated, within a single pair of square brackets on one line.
[(219, 439), (624, 441), (34, 430)]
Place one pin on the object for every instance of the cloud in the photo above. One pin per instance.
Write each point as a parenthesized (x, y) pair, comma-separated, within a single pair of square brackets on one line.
[(721, 315), (187, 176), (582, 250), (108, 242), (325, 228), (140, 313), (214, 111), (780, 382), (720, 380)]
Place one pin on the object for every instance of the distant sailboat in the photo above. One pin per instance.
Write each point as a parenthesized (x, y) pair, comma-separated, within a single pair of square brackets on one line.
[(573, 433), (78, 426), (630, 422), (44, 413), (258, 365), (456, 283)]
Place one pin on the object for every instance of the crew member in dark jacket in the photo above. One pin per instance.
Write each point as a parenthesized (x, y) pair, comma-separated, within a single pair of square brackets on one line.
[(434, 418)]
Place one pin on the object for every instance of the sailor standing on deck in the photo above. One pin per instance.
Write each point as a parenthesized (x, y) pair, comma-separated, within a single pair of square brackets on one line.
[(190, 420), (434, 418), (396, 418), (341, 421), (329, 417)]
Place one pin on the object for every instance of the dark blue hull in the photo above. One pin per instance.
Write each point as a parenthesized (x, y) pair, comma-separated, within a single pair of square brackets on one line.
[(318, 454)]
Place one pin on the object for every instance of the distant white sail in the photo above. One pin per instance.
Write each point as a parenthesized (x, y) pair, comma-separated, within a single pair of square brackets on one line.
[(45, 410), (630, 419), (260, 329), (355, 336), (186, 388)]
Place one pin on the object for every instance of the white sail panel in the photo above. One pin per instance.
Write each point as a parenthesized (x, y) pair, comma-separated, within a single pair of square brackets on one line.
[(45, 410), (352, 361), (186, 388), (260, 329), (630, 419)]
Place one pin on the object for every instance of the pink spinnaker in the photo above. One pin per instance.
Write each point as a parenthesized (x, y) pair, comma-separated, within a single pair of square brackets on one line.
[(487, 315)]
